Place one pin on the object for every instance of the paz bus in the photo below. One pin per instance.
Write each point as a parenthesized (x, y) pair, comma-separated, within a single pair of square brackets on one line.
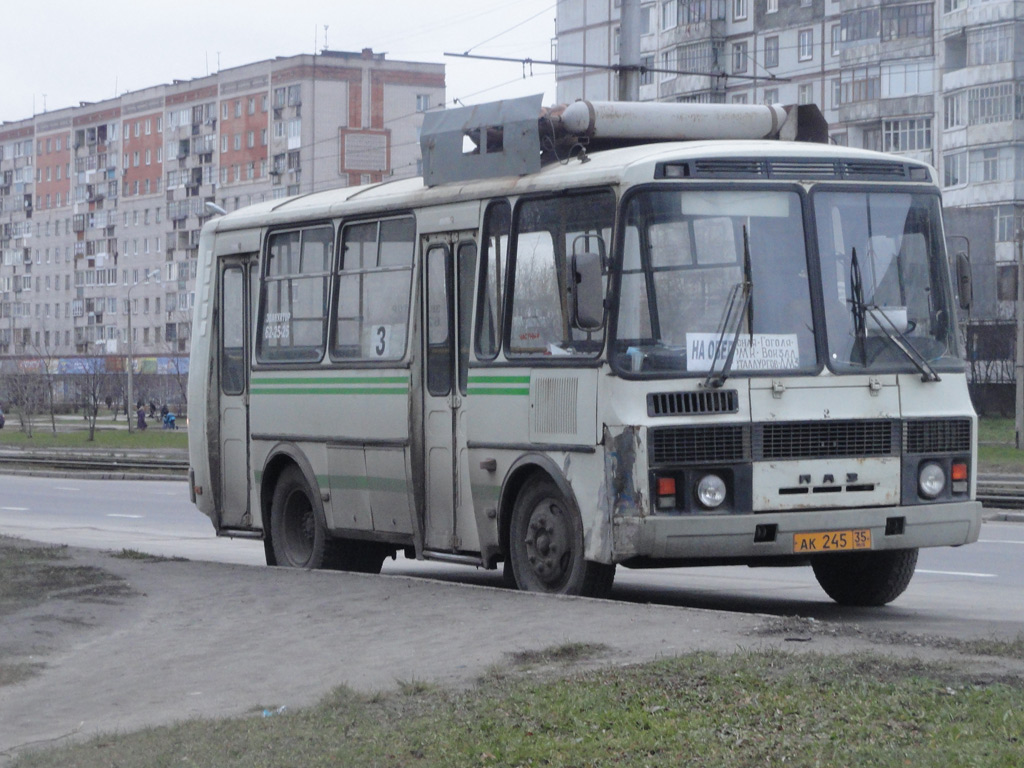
[(638, 335)]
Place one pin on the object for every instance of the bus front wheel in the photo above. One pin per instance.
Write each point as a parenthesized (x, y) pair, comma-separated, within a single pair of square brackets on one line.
[(546, 545), (298, 533), (865, 578)]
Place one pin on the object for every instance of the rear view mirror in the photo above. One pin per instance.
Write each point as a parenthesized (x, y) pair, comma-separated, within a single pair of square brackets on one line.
[(587, 291), (963, 280)]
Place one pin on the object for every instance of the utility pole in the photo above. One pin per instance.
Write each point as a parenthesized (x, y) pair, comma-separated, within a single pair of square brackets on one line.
[(1018, 370), (629, 51)]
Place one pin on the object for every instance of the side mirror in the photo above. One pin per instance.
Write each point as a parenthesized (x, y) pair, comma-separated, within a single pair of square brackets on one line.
[(963, 279), (587, 292)]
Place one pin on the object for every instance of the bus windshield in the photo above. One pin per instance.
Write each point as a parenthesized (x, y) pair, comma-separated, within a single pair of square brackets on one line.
[(685, 252), (884, 281)]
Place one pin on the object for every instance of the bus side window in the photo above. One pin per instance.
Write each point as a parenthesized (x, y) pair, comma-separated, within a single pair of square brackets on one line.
[(371, 310), (232, 333), (497, 224), (292, 324), (540, 321)]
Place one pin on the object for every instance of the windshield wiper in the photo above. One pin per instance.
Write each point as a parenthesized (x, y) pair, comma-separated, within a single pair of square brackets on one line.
[(740, 304), (894, 335), (861, 311)]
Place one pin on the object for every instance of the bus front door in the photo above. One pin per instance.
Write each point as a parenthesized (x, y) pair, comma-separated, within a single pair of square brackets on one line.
[(233, 367), (449, 266)]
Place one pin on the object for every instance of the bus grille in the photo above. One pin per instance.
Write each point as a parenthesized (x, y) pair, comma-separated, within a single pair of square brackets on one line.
[(937, 436), (694, 445), (826, 439), (692, 403)]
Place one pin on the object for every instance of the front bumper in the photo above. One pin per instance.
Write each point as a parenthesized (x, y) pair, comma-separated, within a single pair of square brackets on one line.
[(770, 534)]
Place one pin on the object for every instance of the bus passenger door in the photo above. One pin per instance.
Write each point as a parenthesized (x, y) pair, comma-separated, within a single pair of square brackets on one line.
[(233, 366), (449, 269)]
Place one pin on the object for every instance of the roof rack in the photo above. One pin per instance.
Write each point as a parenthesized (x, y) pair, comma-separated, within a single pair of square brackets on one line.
[(515, 137)]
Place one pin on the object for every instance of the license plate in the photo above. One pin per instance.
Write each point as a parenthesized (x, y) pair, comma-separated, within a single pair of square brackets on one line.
[(832, 541)]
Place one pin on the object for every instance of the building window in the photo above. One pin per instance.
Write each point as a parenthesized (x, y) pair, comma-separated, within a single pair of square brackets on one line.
[(669, 14), (859, 25), (646, 64), (771, 51), (805, 44), (860, 84), (771, 96), (1007, 224), (902, 21), (739, 9), (738, 98), (991, 104), (805, 93), (422, 102), (771, 6), (954, 169), (907, 135), (907, 78), (835, 31), (739, 58), (953, 113), (989, 45)]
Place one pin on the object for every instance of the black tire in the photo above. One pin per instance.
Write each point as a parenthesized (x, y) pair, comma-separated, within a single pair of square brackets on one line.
[(865, 578), (546, 545), (356, 556), (298, 532)]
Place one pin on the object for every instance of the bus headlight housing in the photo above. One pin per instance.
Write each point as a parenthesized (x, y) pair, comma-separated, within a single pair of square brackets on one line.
[(931, 480), (711, 491)]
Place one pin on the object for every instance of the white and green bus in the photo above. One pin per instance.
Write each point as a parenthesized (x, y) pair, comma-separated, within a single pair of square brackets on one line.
[(577, 344)]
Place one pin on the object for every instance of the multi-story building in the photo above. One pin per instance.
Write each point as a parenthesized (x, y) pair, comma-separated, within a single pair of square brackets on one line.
[(935, 80), (101, 204)]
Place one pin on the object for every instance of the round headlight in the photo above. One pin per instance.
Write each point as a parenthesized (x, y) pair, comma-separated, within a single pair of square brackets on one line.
[(931, 480), (711, 491)]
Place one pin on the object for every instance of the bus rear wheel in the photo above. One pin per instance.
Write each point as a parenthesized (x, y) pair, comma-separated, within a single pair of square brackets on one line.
[(297, 530), (865, 578), (546, 545)]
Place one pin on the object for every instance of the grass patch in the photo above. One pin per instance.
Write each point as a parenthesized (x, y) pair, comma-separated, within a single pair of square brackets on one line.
[(134, 554), (77, 436), (568, 653), (747, 708), (31, 574), (996, 449)]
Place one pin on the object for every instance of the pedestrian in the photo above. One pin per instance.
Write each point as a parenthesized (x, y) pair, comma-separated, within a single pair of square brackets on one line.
[(142, 417)]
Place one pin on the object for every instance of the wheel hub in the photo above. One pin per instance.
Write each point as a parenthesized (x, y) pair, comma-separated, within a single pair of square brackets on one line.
[(547, 543)]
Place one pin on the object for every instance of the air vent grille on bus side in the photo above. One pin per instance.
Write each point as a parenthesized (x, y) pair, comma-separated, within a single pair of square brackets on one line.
[(826, 439), (692, 403), (937, 436), (699, 445)]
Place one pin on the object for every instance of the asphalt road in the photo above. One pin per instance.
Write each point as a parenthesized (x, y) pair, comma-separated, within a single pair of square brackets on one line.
[(973, 591)]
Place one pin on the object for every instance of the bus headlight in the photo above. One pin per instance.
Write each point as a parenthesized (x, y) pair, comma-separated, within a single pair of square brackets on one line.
[(931, 480), (711, 491)]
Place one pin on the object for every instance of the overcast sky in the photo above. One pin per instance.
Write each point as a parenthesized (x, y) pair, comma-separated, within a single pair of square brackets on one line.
[(58, 53)]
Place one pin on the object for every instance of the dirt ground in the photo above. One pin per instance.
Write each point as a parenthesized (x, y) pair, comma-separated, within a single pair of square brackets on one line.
[(93, 642)]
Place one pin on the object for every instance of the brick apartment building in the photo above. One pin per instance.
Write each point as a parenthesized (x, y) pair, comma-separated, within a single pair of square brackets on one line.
[(101, 204)]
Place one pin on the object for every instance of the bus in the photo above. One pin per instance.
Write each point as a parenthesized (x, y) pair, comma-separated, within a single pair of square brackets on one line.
[(638, 335)]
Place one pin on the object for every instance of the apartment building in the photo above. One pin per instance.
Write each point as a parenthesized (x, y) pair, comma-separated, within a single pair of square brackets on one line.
[(939, 81), (101, 204)]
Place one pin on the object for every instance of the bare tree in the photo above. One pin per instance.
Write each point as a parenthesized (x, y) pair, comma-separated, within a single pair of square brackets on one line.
[(26, 388), (91, 382)]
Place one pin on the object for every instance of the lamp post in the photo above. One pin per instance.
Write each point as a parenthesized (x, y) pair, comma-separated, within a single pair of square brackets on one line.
[(131, 360)]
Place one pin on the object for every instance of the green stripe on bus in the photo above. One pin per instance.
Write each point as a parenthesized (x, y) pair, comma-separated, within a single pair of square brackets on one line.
[(497, 391), (500, 379), (330, 390)]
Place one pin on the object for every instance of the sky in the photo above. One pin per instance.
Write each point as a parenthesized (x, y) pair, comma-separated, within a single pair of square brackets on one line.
[(58, 53)]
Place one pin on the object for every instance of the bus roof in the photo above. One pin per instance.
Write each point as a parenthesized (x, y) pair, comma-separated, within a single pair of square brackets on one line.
[(736, 160)]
